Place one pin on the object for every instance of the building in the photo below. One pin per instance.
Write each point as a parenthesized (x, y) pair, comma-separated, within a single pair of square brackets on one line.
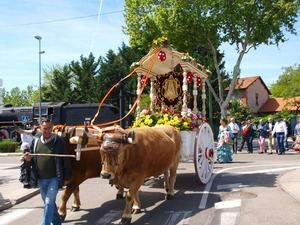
[(278, 104), (253, 92)]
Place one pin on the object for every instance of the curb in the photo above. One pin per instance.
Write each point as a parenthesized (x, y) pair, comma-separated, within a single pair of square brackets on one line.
[(13, 202), (285, 185)]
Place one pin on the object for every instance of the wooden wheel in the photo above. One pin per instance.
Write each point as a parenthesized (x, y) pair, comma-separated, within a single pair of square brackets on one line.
[(204, 153)]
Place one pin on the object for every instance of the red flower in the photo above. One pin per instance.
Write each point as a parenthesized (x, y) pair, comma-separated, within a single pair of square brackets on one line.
[(162, 56), (199, 81), (189, 77)]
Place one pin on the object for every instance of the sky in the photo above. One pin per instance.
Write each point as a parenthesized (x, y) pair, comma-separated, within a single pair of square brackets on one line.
[(64, 39)]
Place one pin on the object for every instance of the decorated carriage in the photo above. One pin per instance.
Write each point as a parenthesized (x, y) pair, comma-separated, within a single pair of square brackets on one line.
[(177, 84)]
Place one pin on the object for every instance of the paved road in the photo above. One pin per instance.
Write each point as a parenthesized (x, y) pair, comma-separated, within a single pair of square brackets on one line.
[(245, 192)]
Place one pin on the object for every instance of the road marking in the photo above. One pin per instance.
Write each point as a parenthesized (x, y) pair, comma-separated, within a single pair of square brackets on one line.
[(268, 170), (204, 198), (206, 191), (229, 186), (178, 217), (109, 217), (13, 215), (186, 218), (228, 204), (228, 218)]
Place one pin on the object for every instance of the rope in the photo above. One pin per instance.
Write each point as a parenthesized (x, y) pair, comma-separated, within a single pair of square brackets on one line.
[(113, 87), (52, 155)]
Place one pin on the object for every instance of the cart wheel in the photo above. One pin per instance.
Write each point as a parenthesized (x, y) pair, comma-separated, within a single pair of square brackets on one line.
[(204, 153)]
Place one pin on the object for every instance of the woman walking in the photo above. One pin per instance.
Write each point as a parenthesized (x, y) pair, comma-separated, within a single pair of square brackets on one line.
[(224, 154)]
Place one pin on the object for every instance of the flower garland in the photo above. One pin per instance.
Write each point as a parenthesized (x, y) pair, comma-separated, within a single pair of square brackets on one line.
[(169, 117)]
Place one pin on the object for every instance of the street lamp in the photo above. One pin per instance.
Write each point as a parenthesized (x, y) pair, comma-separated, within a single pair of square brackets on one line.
[(39, 38)]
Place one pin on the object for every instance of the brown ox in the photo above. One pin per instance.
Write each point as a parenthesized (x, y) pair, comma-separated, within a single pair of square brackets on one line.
[(155, 151), (88, 166)]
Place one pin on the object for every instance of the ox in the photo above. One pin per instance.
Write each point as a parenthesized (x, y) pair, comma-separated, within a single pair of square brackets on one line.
[(88, 166), (154, 151)]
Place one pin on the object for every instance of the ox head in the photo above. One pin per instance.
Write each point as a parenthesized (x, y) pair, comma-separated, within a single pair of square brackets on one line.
[(112, 151)]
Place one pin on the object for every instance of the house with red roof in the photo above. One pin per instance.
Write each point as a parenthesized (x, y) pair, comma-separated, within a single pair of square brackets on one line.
[(253, 92)]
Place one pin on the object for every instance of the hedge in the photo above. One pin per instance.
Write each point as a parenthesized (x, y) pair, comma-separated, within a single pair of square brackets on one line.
[(7, 145)]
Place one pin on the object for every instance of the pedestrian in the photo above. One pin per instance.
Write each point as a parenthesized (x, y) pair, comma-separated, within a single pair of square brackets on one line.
[(25, 168), (245, 134), (224, 154), (280, 129), (234, 127), (262, 135), (286, 143), (250, 136), (270, 139), (51, 172), (296, 145)]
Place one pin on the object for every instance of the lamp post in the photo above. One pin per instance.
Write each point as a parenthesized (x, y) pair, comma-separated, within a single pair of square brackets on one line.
[(39, 38)]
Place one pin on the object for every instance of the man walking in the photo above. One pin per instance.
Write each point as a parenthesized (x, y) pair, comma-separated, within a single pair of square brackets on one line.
[(235, 132), (280, 129), (51, 172)]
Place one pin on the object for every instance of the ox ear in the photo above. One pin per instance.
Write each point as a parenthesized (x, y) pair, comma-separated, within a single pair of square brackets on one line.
[(131, 137)]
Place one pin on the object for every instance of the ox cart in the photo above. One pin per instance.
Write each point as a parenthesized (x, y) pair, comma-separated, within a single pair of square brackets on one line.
[(175, 81)]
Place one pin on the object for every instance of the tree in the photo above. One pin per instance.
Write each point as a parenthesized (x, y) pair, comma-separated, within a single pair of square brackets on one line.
[(84, 73), (113, 68), (287, 84), (58, 85), (239, 111), (17, 97), (208, 23)]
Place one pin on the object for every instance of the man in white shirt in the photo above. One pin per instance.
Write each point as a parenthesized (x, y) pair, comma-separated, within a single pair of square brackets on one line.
[(280, 129), (234, 127)]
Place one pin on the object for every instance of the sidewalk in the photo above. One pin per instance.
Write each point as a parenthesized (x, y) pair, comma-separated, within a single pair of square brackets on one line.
[(11, 190)]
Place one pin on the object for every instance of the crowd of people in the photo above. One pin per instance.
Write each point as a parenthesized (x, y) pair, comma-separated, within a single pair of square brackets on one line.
[(272, 137)]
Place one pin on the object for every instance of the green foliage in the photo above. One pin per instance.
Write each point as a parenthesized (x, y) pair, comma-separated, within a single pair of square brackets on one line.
[(18, 97), (288, 83), (7, 145), (285, 114), (84, 74), (238, 111), (113, 68), (209, 23), (59, 84)]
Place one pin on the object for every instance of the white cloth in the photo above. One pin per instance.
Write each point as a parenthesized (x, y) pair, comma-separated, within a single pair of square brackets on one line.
[(26, 141), (234, 127), (280, 126)]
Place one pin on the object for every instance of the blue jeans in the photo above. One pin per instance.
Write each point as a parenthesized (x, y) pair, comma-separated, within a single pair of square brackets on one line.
[(280, 141), (235, 143), (49, 189)]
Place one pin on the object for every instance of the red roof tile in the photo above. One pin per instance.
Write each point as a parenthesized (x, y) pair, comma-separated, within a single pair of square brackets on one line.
[(244, 83), (278, 104)]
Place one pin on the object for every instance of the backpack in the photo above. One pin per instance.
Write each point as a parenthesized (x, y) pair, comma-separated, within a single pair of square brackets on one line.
[(245, 131)]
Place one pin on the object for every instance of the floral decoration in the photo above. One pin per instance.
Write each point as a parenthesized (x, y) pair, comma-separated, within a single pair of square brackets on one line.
[(161, 42), (168, 117)]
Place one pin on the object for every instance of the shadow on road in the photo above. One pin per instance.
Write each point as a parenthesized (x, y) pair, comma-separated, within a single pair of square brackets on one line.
[(189, 191)]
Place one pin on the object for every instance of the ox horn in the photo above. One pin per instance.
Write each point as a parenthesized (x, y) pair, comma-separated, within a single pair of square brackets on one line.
[(131, 137)]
